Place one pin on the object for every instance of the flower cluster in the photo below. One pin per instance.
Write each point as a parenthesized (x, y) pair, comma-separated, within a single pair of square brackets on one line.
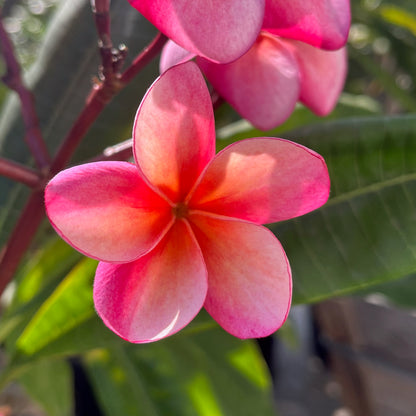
[(181, 228), (299, 55)]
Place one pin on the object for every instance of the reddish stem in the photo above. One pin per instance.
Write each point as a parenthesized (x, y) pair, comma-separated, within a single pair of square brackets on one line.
[(21, 237), (13, 80), (20, 173), (32, 215), (150, 52), (100, 95)]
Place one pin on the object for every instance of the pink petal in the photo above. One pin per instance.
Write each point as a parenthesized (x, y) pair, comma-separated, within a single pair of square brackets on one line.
[(173, 54), (174, 133), (323, 75), (157, 295), (263, 180), (249, 279), (106, 210), (263, 85), (321, 23), (220, 31)]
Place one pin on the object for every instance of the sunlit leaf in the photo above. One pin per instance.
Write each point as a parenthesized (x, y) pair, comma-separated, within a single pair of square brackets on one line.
[(201, 374)]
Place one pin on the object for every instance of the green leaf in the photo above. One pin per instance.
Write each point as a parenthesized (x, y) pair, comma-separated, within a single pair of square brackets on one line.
[(207, 374), (35, 282), (69, 305), (399, 17), (366, 233), (50, 384), (349, 106)]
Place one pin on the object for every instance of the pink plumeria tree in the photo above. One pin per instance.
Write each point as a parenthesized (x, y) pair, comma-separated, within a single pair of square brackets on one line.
[(191, 195)]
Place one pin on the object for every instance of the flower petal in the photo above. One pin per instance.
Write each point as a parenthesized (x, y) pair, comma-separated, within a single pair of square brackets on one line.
[(323, 75), (321, 23), (157, 295), (249, 278), (263, 180), (173, 54), (263, 85), (220, 31), (106, 210), (174, 133)]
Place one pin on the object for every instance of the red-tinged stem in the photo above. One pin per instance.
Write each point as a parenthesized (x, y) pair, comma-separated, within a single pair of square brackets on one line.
[(13, 80), (19, 173), (144, 58), (95, 104), (21, 237), (101, 95)]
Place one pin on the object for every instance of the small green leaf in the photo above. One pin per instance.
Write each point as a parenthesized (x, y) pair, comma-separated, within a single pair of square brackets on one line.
[(400, 17), (70, 304)]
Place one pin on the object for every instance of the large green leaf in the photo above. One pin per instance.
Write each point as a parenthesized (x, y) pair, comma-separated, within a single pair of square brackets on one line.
[(366, 233), (205, 374), (50, 384)]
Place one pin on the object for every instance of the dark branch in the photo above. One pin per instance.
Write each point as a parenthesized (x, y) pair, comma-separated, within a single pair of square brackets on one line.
[(13, 80), (20, 173)]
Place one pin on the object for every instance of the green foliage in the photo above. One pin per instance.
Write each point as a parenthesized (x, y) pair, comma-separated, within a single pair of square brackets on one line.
[(199, 374)]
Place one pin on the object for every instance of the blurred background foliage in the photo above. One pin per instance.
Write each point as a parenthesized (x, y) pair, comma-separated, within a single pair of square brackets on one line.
[(363, 240)]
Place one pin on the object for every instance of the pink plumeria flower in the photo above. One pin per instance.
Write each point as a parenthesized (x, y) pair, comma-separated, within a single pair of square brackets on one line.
[(265, 83), (180, 229), (222, 31)]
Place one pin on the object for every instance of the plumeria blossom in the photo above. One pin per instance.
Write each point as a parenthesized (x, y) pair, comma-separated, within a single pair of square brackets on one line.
[(181, 228), (287, 63), (222, 31)]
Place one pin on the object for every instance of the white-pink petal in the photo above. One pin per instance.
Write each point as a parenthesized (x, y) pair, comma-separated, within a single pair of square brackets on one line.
[(263, 180), (323, 76), (249, 278), (106, 210), (174, 132), (321, 23), (157, 295), (219, 30), (173, 54), (263, 85)]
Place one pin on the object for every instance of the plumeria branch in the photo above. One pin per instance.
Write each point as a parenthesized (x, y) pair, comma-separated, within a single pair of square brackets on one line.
[(103, 90), (14, 81), (148, 54), (19, 173), (100, 96), (21, 237)]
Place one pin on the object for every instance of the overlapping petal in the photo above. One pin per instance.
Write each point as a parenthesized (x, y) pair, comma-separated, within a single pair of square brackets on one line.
[(322, 76), (106, 210), (157, 295), (263, 85), (219, 30), (249, 278), (174, 133), (263, 180), (321, 23), (173, 54)]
